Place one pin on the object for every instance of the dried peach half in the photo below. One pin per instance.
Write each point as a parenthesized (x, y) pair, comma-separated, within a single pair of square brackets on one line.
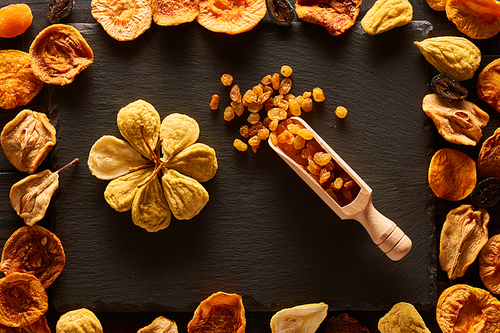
[(478, 19), (175, 12), (231, 16), (488, 161), (219, 313), (59, 53), (489, 264), (39, 326), (18, 83), (14, 20), (488, 84), (335, 16), (123, 20)]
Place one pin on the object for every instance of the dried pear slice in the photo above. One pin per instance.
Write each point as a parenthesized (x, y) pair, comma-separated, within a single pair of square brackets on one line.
[(178, 131), (185, 195), (197, 161), (299, 319), (131, 118), (160, 325), (150, 208), (120, 192), (111, 157)]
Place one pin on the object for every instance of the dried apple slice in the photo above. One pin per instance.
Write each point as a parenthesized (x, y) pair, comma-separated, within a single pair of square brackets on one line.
[(303, 318), (175, 12)]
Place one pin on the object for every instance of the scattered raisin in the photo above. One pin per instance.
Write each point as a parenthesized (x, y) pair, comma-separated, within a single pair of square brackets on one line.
[(226, 79), (214, 102)]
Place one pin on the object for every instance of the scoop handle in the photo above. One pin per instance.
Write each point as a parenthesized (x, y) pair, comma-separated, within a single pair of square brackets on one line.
[(384, 233)]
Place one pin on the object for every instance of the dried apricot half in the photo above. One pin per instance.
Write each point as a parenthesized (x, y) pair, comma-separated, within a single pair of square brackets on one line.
[(175, 12), (231, 16), (478, 19), (489, 264), (488, 84), (14, 20), (488, 162), (59, 53), (335, 16), (39, 326), (219, 313)]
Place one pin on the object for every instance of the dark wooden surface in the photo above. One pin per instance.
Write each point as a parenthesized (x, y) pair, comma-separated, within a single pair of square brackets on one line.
[(256, 321)]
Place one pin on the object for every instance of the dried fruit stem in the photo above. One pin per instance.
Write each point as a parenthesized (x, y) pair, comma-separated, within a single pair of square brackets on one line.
[(68, 165), (153, 174), (140, 167), (147, 143)]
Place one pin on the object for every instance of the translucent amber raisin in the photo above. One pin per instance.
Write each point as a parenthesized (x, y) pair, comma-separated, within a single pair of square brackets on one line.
[(274, 138), (313, 167), (266, 80), (283, 104), (266, 122), (254, 141), (235, 93), (244, 131), (285, 86), (294, 107), (249, 96), (254, 148), (286, 71), (253, 118), (299, 142), (277, 99), (305, 133), (240, 145), (324, 176), (322, 158), (286, 137), (255, 128), (264, 97), (277, 114), (307, 104), (293, 128), (275, 81), (258, 90), (228, 114), (338, 183), (341, 111), (214, 102), (273, 124), (300, 100), (226, 79), (306, 94), (254, 107), (263, 134), (318, 94)]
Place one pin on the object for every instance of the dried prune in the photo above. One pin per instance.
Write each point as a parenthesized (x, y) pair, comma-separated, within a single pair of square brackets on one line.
[(57, 10), (343, 323), (448, 88), (303, 318), (280, 11), (486, 193)]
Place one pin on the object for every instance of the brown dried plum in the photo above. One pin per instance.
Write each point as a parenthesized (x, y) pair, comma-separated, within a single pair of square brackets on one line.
[(280, 11), (58, 10), (486, 193), (448, 88)]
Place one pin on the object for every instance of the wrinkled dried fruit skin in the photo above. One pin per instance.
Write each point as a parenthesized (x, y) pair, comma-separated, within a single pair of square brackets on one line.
[(280, 11), (300, 319), (59, 53), (23, 300), (78, 321), (487, 193), (15, 19), (18, 83), (465, 309), (27, 140), (219, 313), (129, 120), (120, 192), (186, 196), (452, 174), (475, 24), (34, 250), (31, 196), (464, 233), (160, 325), (197, 161), (335, 16), (489, 156), (111, 157), (448, 88), (460, 122), (58, 10), (150, 209), (489, 264), (385, 15), (488, 84), (171, 13), (455, 56), (402, 318), (178, 131), (437, 5), (39, 326), (343, 323), (124, 20)]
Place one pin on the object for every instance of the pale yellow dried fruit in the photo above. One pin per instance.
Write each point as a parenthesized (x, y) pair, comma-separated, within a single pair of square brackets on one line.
[(178, 131), (150, 209), (197, 161), (299, 319), (120, 192), (131, 117), (160, 325), (186, 196), (385, 15), (455, 56), (78, 321), (111, 157), (402, 318)]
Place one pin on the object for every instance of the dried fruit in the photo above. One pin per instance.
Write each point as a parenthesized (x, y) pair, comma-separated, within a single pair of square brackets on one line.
[(486, 193), (121, 191), (464, 233), (385, 15), (231, 16), (18, 83), (335, 16), (171, 13), (34, 250), (403, 318), (489, 156), (14, 20), (280, 11), (124, 20), (479, 19), (226, 79), (489, 264), (27, 140), (455, 56), (462, 308), (150, 209), (214, 102), (488, 84), (80, 320), (448, 88), (437, 5), (160, 325), (452, 174), (286, 70), (240, 145), (219, 313), (197, 161), (39, 326), (178, 132), (23, 300), (343, 323), (302, 318), (460, 122), (59, 53), (58, 10)]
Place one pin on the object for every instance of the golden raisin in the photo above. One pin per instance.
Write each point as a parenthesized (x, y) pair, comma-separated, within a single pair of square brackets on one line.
[(264, 97), (285, 86), (214, 102), (318, 94), (266, 80), (240, 145), (226, 79), (299, 142), (307, 94), (338, 183), (322, 158), (263, 134), (277, 114), (228, 114), (254, 141), (255, 128), (244, 131), (283, 104), (305, 133), (286, 137), (313, 167), (275, 81), (273, 124), (254, 107), (253, 118), (286, 71), (238, 108), (341, 111), (258, 90), (293, 128), (235, 93), (307, 104), (14, 20), (294, 107), (324, 175), (249, 96)]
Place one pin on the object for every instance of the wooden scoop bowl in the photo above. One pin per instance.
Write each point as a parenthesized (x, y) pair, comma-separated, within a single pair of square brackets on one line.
[(385, 233)]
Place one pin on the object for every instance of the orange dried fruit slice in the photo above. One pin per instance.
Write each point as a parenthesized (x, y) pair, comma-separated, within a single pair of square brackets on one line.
[(39, 326), (123, 20), (175, 12), (59, 53), (231, 16), (478, 19), (488, 84), (14, 20), (335, 16), (219, 313), (488, 162)]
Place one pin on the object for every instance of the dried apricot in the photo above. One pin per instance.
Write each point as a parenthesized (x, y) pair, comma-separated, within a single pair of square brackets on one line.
[(489, 156), (478, 19), (170, 12), (39, 326), (489, 264), (488, 84), (14, 20), (231, 16)]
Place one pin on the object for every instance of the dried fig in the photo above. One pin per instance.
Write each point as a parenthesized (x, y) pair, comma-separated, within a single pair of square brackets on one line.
[(160, 325), (77, 321), (489, 264), (385, 15), (150, 209), (303, 318), (120, 192), (178, 131), (197, 161), (402, 318)]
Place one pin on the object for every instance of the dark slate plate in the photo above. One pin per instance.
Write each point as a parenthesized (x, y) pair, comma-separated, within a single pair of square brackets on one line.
[(264, 234)]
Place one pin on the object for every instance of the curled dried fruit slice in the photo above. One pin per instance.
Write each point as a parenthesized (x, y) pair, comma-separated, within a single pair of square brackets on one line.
[(178, 131), (120, 192), (488, 84), (81, 320), (150, 208), (27, 140), (303, 318), (403, 317), (34, 250), (58, 10), (160, 325), (123, 20), (23, 300), (170, 12), (14, 20), (344, 323), (281, 11), (335, 16), (486, 193), (219, 313), (197, 161), (39, 326), (489, 156), (489, 264), (478, 19), (448, 88)]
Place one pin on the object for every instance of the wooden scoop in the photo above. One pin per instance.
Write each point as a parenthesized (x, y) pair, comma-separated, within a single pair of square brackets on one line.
[(385, 233)]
